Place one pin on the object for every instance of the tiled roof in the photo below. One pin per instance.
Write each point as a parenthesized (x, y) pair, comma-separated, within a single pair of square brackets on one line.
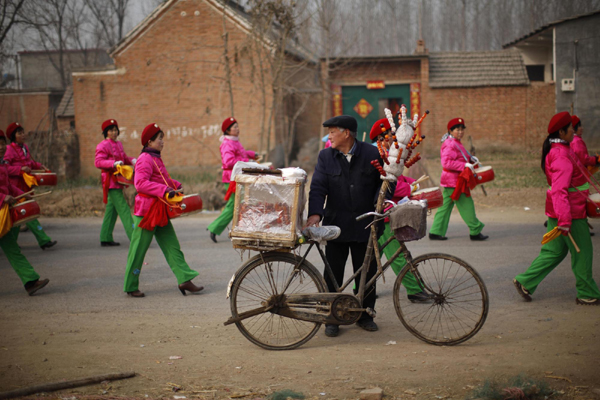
[(66, 107), (473, 69), (544, 27)]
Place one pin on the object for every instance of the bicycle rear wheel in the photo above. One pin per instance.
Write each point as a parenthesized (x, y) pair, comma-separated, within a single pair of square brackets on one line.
[(459, 304), (265, 276)]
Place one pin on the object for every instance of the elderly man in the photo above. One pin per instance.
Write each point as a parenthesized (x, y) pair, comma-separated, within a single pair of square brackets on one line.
[(345, 178)]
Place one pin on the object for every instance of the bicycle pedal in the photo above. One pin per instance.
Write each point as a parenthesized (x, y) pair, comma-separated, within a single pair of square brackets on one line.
[(372, 313)]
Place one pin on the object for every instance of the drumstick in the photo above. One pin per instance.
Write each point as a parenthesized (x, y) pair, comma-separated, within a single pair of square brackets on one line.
[(41, 194), (24, 194), (421, 179), (574, 244)]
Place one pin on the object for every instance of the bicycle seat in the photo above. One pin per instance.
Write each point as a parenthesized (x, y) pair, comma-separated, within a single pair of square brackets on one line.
[(320, 233)]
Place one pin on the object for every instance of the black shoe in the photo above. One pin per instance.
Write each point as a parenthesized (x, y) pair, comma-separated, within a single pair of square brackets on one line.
[(433, 236), (332, 330), (591, 233), (213, 237), (368, 325), (47, 245), (109, 244), (34, 286), (546, 224), (479, 237), (524, 293), (421, 297)]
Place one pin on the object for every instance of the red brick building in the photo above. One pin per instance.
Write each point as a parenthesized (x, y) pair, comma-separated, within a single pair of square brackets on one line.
[(170, 70), (490, 90)]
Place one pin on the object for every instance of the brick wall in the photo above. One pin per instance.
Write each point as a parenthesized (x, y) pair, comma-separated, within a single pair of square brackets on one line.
[(26, 108), (516, 115), (172, 74)]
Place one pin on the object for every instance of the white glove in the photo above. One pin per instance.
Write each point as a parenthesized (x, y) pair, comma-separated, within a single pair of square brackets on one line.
[(565, 230), (474, 160), (414, 187), (133, 161), (468, 165), (117, 163)]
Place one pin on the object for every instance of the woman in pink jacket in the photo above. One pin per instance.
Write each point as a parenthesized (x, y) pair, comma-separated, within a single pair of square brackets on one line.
[(455, 158), (566, 209), (20, 161), (154, 187), (232, 151), (109, 154), (8, 242), (578, 145)]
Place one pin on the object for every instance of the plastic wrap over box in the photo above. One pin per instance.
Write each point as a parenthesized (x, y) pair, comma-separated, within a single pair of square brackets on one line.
[(268, 211), (408, 221)]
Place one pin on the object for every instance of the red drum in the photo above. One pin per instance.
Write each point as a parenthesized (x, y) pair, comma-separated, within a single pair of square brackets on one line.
[(24, 212), (121, 180), (192, 203), (484, 175), (432, 195), (45, 178), (593, 206)]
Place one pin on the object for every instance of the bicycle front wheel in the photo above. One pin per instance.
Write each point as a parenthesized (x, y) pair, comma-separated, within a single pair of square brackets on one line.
[(459, 300), (267, 275)]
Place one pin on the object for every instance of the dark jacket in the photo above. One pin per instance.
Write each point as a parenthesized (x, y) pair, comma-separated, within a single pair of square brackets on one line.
[(351, 189)]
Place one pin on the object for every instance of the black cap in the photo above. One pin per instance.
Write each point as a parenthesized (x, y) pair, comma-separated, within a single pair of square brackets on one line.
[(342, 121)]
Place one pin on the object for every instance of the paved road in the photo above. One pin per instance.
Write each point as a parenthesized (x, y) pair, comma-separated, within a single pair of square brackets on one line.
[(82, 323)]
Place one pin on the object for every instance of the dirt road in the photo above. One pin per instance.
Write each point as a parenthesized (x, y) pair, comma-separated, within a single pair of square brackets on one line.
[(82, 324)]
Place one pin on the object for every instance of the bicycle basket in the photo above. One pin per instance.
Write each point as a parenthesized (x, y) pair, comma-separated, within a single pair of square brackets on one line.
[(408, 221)]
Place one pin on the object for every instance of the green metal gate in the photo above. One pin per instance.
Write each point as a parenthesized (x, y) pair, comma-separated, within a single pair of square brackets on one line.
[(392, 97)]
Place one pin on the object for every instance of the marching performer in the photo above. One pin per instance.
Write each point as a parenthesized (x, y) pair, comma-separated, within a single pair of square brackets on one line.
[(155, 190), (578, 145), (404, 187), (18, 155), (109, 155), (455, 158), (232, 151), (8, 234), (567, 219)]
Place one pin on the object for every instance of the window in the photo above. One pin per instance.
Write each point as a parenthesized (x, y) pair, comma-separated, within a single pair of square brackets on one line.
[(535, 72)]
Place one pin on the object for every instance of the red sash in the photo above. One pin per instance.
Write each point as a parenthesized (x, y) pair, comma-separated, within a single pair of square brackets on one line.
[(156, 215), (465, 183), (230, 190), (106, 184)]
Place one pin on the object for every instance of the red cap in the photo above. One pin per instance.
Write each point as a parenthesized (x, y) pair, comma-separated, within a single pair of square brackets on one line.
[(11, 129), (454, 122), (108, 123), (559, 121), (575, 120), (376, 129), (148, 132), (227, 123), (2, 133)]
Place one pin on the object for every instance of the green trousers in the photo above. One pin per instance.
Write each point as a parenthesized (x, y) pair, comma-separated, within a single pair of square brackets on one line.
[(116, 206), (554, 252), (218, 225), (8, 244), (167, 240), (37, 230), (466, 208), (409, 281)]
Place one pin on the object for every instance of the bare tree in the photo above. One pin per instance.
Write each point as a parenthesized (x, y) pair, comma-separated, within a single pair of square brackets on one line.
[(9, 17), (109, 16)]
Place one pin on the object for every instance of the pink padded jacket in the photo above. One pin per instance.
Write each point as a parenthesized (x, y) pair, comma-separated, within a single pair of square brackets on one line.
[(562, 173)]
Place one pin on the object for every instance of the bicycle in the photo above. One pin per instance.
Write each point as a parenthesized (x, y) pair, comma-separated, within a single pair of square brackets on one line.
[(279, 300)]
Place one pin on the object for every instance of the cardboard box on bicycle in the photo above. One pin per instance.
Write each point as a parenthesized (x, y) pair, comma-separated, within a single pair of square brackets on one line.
[(268, 209)]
